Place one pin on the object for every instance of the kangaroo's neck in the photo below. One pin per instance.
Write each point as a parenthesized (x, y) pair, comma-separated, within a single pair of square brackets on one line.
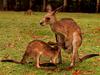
[(53, 20), (52, 23)]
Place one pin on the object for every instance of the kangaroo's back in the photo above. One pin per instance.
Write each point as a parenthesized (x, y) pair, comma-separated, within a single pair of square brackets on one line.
[(67, 24), (39, 47)]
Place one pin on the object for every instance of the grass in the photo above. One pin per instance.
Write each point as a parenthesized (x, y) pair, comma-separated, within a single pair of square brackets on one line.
[(18, 29)]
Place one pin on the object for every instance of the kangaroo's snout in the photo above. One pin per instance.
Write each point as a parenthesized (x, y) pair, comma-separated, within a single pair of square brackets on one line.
[(41, 23)]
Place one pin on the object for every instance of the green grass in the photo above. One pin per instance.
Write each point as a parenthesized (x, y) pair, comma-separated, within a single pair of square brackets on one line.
[(18, 29)]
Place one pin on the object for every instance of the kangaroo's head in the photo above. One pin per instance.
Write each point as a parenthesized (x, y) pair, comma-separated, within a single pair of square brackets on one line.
[(50, 17)]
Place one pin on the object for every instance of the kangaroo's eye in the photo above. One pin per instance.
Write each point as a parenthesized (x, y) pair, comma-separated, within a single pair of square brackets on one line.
[(47, 18)]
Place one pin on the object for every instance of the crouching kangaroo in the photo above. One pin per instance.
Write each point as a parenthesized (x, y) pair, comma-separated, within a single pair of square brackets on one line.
[(35, 49), (67, 33)]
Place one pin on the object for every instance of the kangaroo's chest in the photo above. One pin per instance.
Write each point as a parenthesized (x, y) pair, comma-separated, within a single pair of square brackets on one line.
[(58, 29)]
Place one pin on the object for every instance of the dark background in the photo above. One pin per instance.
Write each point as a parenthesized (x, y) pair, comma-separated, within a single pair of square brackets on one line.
[(90, 6)]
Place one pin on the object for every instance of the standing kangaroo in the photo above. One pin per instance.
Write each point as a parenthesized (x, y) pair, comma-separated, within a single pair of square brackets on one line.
[(35, 49), (67, 33)]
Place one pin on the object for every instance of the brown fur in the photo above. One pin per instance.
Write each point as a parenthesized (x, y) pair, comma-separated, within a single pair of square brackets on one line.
[(35, 49), (67, 32)]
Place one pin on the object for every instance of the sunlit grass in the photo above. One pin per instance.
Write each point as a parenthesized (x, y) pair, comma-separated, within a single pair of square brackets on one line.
[(18, 29)]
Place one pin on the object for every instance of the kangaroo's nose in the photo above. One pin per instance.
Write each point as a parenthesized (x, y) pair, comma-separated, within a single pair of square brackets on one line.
[(41, 23)]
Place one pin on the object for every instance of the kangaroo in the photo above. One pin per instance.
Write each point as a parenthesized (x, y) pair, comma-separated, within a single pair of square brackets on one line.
[(28, 12), (35, 49), (67, 32)]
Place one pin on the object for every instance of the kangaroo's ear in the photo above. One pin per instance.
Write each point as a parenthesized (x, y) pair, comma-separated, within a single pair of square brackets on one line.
[(49, 8), (57, 9)]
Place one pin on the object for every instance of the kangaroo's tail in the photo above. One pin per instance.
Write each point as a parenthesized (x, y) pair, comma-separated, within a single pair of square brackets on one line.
[(88, 56), (10, 60)]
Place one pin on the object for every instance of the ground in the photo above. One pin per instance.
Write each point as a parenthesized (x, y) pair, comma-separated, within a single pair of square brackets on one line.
[(18, 29)]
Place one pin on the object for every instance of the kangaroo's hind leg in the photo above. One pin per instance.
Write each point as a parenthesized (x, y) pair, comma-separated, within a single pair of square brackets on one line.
[(77, 40)]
